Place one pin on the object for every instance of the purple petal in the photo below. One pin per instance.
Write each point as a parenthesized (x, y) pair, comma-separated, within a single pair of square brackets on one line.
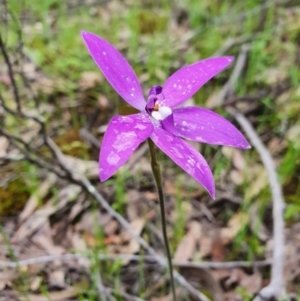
[(184, 83), (122, 137), (116, 69), (203, 125), (168, 125), (186, 157)]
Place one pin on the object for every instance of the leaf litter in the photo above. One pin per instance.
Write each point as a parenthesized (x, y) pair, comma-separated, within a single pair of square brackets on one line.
[(60, 218)]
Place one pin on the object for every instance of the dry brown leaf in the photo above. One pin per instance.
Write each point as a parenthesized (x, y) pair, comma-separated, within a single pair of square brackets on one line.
[(205, 279), (160, 74), (252, 283), (170, 188), (35, 283), (37, 196), (4, 143), (133, 246), (187, 246), (88, 167), (150, 196), (103, 102), (293, 135), (132, 209), (81, 204), (43, 238), (53, 296), (102, 129), (277, 145), (44, 85), (78, 242), (256, 224), (213, 99), (206, 243), (30, 71), (89, 79), (57, 278), (228, 152), (272, 76), (217, 249), (5, 79), (236, 176), (235, 224), (6, 276), (39, 217), (137, 226), (238, 159), (111, 227), (257, 184)]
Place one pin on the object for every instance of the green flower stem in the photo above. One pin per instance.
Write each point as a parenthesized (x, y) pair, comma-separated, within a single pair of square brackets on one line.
[(158, 180)]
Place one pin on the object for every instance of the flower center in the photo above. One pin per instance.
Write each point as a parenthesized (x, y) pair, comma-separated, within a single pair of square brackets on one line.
[(154, 107)]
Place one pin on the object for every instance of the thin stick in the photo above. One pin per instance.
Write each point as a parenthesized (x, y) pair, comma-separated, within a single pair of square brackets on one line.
[(11, 74), (228, 88), (276, 288), (126, 257), (158, 180)]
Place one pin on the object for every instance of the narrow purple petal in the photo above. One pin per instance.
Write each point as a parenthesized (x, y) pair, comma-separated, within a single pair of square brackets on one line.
[(205, 126), (116, 69), (168, 125), (123, 135), (185, 82), (186, 157)]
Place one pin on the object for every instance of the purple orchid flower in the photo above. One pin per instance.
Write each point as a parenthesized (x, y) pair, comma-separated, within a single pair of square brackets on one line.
[(159, 117)]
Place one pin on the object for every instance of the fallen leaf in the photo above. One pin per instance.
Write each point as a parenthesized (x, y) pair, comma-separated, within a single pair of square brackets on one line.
[(4, 143), (103, 102), (133, 246), (187, 246), (89, 79), (35, 283), (256, 224), (6, 276), (88, 167), (137, 226), (37, 196), (252, 283), (39, 217), (293, 135), (43, 238), (272, 76), (53, 296), (257, 184), (238, 159), (57, 278), (235, 225), (236, 176), (206, 243), (203, 278)]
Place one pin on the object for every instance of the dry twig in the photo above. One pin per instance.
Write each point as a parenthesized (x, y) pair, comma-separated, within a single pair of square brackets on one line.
[(276, 288), (138, 258)]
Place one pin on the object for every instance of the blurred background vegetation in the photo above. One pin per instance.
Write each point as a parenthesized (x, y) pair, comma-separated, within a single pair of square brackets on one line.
[(59, 83)]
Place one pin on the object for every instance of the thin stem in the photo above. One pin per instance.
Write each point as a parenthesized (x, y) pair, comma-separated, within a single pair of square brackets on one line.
[(158, 180)]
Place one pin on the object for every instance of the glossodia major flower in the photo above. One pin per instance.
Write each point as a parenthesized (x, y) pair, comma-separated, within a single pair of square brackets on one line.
[(160, 118)]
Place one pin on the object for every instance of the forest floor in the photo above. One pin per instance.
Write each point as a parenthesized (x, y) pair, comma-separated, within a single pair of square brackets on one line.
[(66, 236)]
